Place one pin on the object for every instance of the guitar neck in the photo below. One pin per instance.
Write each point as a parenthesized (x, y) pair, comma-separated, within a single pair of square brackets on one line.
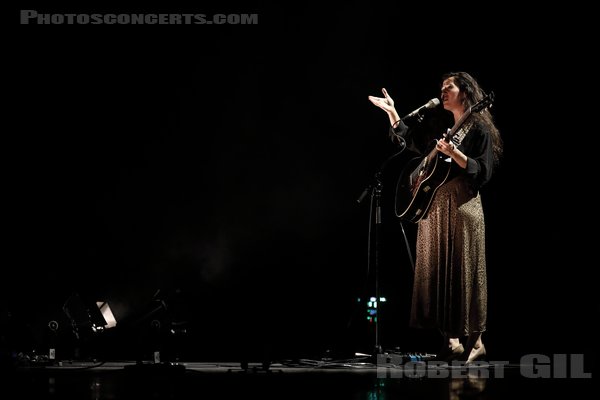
[(448, 136)]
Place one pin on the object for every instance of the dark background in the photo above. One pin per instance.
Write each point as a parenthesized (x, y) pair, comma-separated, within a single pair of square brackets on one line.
[(219, 166)]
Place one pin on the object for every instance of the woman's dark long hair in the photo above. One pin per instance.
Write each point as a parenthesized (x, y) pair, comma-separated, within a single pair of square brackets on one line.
[(473, 94)]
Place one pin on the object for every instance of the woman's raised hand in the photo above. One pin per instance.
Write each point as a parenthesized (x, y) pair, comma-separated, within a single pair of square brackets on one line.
[(386, 103)]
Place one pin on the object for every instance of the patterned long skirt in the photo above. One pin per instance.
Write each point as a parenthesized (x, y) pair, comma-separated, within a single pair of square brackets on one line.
[(450, 283)]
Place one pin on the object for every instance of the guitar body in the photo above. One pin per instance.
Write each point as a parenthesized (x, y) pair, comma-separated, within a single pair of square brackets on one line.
[(417, 184)]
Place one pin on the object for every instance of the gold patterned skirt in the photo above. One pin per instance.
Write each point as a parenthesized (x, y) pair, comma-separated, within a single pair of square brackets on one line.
[(450, 283)]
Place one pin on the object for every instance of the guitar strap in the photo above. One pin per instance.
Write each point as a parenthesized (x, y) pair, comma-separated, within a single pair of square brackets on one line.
[(461, 133)]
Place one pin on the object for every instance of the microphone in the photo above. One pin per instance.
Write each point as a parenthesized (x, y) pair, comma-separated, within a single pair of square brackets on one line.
[(430, 104)]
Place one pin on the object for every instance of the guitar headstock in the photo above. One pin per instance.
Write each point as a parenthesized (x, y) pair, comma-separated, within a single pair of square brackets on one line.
[(483, 103)]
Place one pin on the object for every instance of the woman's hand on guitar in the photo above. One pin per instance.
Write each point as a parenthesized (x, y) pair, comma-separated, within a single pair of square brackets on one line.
[(445, 147), (386, 103)]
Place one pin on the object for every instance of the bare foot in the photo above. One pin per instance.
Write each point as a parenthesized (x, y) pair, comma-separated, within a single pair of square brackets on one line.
[(477, 353)]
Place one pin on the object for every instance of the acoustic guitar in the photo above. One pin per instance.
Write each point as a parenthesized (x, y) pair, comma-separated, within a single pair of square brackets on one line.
[(423, 176)]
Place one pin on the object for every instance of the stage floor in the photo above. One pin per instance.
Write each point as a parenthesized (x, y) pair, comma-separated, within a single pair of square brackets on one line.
[(353, 379)]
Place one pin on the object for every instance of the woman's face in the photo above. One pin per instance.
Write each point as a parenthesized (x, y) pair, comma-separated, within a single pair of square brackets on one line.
[(451, 95)]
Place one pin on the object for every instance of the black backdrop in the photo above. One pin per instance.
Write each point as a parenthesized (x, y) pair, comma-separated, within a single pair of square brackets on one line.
[(220, 166)]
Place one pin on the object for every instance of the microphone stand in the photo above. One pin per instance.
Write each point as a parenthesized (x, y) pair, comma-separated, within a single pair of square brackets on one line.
[(375, 189)]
